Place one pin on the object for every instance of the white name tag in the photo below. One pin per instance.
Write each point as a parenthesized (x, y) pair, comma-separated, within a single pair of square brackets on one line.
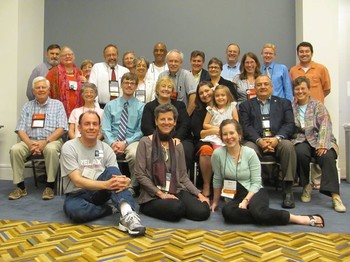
[(73, 85), (89, 173), (229, 189)]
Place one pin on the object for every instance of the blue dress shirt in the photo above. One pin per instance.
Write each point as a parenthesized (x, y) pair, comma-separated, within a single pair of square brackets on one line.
[(282, 86), (111, 120)]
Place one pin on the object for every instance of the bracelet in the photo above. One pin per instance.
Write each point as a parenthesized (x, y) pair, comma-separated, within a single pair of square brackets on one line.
[(246, 199)]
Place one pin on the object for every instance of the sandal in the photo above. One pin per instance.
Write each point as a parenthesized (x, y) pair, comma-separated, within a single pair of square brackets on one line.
[(316, 186), (313, 221)]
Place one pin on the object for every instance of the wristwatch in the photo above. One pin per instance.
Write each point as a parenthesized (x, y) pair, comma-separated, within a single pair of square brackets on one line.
[(279, 138)]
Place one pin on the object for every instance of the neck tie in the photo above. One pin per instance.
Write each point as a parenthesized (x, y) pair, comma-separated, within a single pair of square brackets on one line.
[(268, 71), (123, 123), (113, 77)]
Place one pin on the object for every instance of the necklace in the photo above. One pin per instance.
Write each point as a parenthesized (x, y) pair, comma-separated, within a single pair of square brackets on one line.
[(165, 151)]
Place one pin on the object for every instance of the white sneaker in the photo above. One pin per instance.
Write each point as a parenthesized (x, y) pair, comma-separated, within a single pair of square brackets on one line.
[(131, 223)]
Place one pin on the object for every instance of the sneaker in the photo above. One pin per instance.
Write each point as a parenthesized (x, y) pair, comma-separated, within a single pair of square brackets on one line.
[(131, 223), (17, 193), (48, 194), (338, 205), (306, 195)]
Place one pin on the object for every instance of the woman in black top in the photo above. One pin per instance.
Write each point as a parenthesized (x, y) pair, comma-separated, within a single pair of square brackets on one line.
[(164, 88)]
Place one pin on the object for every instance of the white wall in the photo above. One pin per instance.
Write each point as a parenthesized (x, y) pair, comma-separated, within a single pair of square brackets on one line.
[(22, 31), (326, 25), (344, 76)]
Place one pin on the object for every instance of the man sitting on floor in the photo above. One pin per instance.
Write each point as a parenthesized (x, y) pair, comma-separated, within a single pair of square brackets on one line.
[(40, 128), (91, 177)]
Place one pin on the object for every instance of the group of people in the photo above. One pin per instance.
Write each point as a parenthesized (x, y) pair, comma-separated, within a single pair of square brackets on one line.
[(162, 118)]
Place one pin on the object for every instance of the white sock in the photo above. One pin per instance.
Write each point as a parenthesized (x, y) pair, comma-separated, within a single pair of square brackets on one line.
[(125, 208)]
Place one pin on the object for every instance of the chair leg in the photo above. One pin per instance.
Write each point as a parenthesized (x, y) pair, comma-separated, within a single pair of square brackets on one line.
[(34, 173), (59, 182), (195, 174)]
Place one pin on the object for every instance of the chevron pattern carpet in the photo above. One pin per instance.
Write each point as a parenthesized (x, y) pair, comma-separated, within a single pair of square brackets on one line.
[(37, 241)]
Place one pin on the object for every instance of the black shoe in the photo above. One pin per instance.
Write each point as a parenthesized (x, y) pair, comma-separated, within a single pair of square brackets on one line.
[(288, 200)]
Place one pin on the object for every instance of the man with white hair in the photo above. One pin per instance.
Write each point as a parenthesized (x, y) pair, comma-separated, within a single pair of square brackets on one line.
[(42, 123), (185, 84)]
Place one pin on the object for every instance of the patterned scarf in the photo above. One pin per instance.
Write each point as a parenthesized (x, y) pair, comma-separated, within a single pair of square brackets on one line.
[(60, 87), (159, 169)]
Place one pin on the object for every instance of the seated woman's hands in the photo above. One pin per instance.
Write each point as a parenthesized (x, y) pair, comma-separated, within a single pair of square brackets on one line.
[(243, 204), (214, 206), (163, 195), (202, 198)]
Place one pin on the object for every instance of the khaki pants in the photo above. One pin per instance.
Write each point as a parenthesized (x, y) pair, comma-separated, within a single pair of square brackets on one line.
[(20, 151)]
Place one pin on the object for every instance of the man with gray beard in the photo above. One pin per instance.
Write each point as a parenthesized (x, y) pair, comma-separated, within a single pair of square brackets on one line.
[(52, 55)]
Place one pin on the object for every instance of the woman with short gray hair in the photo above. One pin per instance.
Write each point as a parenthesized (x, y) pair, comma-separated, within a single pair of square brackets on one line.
[(88, 93)]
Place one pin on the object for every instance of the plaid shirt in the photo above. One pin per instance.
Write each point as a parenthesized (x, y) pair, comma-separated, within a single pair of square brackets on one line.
[(55, 117)]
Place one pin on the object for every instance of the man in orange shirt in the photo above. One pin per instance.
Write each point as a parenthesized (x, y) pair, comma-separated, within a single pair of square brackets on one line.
[(320, 86), (315, 72)]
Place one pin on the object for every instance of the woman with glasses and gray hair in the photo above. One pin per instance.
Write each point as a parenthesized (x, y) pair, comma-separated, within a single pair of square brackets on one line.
[(88, 93)]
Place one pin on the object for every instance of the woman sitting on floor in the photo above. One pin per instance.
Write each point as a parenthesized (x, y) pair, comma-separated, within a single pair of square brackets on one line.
[(237, 175), (166, 191)]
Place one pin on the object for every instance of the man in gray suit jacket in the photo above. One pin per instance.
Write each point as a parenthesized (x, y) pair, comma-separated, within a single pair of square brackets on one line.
[(268, 124)]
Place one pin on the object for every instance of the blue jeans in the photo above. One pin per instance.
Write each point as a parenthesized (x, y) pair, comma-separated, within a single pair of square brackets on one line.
[(87, 205)]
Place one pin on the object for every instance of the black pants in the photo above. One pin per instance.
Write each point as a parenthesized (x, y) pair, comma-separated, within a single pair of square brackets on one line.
[(187, 206), (257, 212), (327, 162)]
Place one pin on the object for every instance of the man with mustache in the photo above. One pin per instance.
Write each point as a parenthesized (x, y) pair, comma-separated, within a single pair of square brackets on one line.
[(107, 75), (52, 59)]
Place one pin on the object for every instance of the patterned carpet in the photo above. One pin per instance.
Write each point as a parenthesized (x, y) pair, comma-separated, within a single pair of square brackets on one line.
[(36, 241)]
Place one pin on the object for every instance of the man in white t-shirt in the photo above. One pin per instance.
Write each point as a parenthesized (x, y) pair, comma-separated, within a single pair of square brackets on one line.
[(158, 65)]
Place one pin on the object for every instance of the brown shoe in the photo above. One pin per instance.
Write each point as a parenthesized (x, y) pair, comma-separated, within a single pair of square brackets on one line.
[(17, 193), (48, 194)]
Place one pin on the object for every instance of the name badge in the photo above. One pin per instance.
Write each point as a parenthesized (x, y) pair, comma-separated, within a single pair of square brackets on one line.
[(167, 183), (99, 153), (88, 173), (229, 189), (38, 120), (174, 96), (141, 95), (250, 93), (114, 88), (73, 85), (266, 126)]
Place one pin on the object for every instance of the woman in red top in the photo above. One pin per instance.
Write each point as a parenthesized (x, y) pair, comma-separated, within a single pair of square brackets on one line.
[(66, 80)]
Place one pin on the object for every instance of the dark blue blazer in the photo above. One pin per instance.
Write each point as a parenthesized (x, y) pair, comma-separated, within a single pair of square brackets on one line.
[(281, 118), (204, 76)]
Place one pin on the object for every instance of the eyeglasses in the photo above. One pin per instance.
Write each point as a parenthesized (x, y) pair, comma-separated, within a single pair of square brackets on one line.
[(213, 67), (40, 87), (127, 83), (67, 55)]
